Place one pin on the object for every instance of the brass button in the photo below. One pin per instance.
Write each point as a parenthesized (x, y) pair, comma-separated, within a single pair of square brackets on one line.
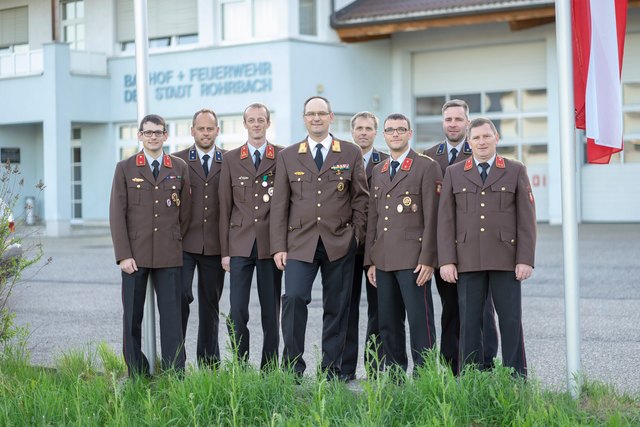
[(341, 178), (406, 192), (513, 241), (205, 220), (157, 187), (319, 179), (256, 195), (156, 201), (386, 218), (503, 189), (138, 186), (318, 218), (256, 181), (156, 215), (173, 187), (385, 229), (206, 208), (256, 208), (290, 228), (255, 220), (206, 196), (482, 229), (386, 207), (388, 195), (206, 184), (482, 205), (155, 229), (319, 205), (298, 179), (464, 189), (419, 239), (242, 183), (319, 191), (481, 216), (482, 193)]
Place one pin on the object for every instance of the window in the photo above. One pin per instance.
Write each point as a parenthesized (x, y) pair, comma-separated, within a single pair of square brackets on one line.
[(14, 29), (73, 23), (520, 117), (307, 18), (244, 20), (631, 123)]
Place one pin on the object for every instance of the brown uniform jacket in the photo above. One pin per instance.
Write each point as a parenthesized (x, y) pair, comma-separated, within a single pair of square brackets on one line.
[(401, 231), (245, 201), (440, 154), (309, 204), (149, 217), (490, 226), (203, 237)]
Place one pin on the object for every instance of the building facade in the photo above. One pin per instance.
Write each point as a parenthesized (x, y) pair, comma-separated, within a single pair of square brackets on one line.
[(68, 87)]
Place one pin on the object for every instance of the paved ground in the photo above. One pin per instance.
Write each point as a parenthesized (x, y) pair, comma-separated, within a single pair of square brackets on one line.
[(74, 302)]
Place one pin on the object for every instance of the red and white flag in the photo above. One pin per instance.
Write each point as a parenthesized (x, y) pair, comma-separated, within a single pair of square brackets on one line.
[(598, 45)]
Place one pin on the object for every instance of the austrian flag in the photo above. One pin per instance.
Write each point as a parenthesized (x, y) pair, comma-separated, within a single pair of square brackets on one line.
[(598, 45)]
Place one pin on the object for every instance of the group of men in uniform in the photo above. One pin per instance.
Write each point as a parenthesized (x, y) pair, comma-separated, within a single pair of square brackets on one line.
[(342, 208)]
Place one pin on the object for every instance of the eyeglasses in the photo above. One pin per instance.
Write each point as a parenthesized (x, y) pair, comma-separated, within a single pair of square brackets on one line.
[(401, 131), (156, 133), (321, 114)]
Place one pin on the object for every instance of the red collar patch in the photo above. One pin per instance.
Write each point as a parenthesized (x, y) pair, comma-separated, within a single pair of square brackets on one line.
[(406, 165), (468, 164), (244, 152), (385, 167), (499, 162), (141, 160), (166, 161), (270, 153)]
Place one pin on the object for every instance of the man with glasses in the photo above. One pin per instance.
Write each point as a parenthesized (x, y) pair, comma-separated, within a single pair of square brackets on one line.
[(149, 213), (456, 149), (202, 242), (401, 244), (364, 128), (246, 189), (486, 243), (318, 217)]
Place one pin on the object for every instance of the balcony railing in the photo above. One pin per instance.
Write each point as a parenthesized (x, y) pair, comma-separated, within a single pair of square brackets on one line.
[(21, 63)]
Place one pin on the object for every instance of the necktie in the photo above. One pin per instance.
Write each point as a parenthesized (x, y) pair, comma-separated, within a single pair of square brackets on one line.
[(256, 162), (483, 174), (394, 167), (318, 158), (156, 169), (454, 154), (205, 164)]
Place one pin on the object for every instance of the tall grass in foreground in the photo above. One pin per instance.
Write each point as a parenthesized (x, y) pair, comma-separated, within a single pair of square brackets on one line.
[(234, 394)]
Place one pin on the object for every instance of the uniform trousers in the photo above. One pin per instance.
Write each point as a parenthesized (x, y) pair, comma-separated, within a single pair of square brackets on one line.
[(473, 288), (337, 277), (269, 283), (398, 294), (450, 322), (373, 345), (166, 283), (210, 284)]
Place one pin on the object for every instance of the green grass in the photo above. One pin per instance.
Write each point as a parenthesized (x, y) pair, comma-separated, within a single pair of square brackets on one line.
[(89, 388)]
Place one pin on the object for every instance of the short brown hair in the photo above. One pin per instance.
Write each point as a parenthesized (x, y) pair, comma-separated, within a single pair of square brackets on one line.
[(365, 115), (203, 111), (397, 116), (456, 103), (153, 118), (481, 121), (256, 105)]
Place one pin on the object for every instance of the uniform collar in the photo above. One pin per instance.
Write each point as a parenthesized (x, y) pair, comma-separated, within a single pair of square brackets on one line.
[(326, 144)]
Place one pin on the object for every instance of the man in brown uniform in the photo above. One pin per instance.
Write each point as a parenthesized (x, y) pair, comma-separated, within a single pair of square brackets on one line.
[(455, 149), (401, 244), (246, 188), (486, 242), (318, 218), (201, 242), (149, 213), (364, 128)]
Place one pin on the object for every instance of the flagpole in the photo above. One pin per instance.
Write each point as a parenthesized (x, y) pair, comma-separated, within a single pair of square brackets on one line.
[(569, 204), (142, 96)]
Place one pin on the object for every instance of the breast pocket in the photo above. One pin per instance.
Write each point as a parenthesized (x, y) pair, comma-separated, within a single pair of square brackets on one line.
[(134, 192), (462, 195), (341, 181), (297, 183), (239, 189), (411, 200), (171, 189), (507, 194)]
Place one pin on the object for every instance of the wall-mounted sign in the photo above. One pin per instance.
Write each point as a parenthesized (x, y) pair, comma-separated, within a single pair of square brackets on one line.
[(235, 79)]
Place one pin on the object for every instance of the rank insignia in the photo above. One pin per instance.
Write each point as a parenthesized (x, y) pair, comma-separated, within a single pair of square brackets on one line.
[(302, 149), (218, 156), (385, 167), (406, 201), (175, 199), (270, 152), (298, 173), (466, 149), (441, 148), (335, 146), (406, 165), (141, 159), (340, 186), (166, 161), (193, 155), (137, 179), (375, 157), (244, 152), (468, 164), (499, 162)]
